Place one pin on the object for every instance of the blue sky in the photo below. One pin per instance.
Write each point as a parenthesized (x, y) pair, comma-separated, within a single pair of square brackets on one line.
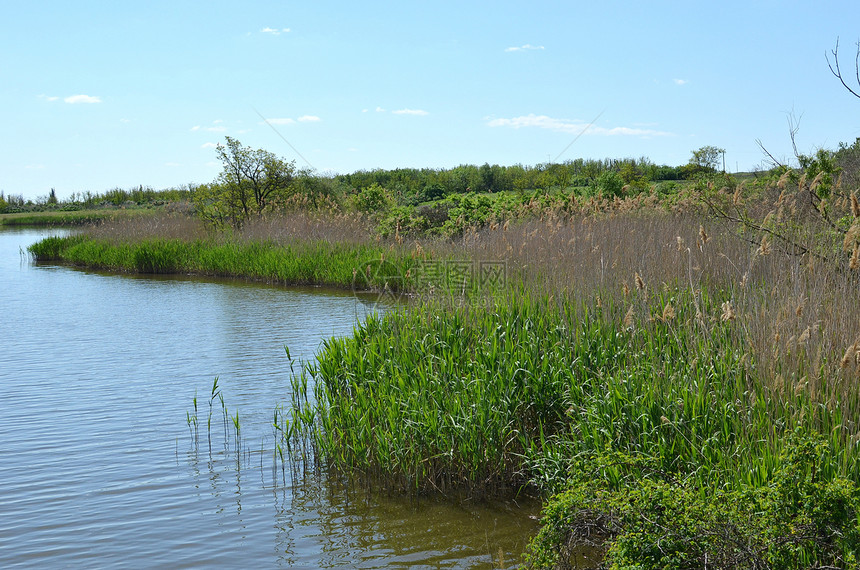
[(98, 95)]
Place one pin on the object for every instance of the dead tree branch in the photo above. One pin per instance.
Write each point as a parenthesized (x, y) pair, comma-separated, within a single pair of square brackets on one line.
[(834, 68)]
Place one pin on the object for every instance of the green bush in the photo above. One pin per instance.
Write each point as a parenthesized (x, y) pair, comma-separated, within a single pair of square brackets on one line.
[(803, 517), (401, 221), (610, 183), (372, 199), (434, 191)]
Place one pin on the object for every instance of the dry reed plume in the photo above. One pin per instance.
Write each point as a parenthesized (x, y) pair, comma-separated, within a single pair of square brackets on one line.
[(794, 315), (292, 226)]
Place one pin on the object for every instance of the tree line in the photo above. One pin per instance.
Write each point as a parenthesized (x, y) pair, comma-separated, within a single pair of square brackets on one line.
[(254, 181)]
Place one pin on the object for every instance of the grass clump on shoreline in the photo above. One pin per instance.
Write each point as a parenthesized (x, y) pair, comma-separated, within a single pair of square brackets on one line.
[(176, 245), (70, 218), (311, 263), (483, 398)]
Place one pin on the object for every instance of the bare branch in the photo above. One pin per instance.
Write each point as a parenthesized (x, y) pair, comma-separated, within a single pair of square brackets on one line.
[(793, 127), (790, 246), (773, 160), (834, 67)]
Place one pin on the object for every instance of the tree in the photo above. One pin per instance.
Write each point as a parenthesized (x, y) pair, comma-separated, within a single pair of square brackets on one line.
[(707, 158), (251, 183)]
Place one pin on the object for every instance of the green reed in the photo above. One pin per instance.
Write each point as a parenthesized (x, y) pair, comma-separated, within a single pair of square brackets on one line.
[(231, 439), (193, 424), (60, 218), (300, 263), (490, 399)]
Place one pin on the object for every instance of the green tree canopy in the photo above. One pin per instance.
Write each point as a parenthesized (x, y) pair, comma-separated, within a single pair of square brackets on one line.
[(707, 157), (251, 182)]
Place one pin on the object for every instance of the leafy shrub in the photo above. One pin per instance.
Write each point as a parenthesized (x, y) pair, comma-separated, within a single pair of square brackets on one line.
[(848, 161), (610, 183), (803, 518), (371, 199), (435, 214), (401, 221), (465, 211), (434, 191)]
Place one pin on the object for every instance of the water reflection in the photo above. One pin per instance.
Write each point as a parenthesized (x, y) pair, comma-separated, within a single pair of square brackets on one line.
[(322, 523)]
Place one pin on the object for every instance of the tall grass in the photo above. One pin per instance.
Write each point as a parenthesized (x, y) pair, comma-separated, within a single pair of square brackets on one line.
[(661, 334), (146, 246), (797, 318), (491, 400), (70, 218)]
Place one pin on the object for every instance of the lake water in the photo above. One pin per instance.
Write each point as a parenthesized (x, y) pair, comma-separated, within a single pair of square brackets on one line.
[(98, 467)]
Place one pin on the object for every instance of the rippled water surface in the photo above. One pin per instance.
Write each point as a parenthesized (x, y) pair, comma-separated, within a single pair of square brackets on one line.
[(97, 465)]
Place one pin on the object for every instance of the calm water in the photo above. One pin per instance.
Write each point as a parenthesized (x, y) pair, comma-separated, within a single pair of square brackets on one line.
[(97, 466)]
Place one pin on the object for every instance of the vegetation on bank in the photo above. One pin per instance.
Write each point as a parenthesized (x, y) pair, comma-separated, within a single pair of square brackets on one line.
[(178, 245), (800, 517), (78, 201), (69, 218), (674, 367), (642, 360), (88, 209)]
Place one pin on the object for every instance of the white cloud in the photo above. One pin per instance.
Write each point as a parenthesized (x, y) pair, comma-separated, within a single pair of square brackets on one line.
[(380, 110), (125, 120), (568, 126), (419, 112), (275, 31), (172, 164), (291, 121), (74, 99), (680, 81), (216, 129), (629, 131), (48, 97), (209, 145), (526, 47)]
